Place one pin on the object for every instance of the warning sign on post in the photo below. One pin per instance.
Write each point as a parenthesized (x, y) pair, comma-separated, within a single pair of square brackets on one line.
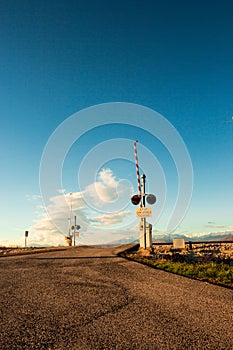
[(144, 212)]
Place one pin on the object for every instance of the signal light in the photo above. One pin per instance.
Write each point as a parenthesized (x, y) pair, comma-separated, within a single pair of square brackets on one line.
[(136, 199), (151, 199)]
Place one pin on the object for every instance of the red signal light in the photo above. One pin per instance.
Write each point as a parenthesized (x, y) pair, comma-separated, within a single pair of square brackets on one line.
[(136, 199)]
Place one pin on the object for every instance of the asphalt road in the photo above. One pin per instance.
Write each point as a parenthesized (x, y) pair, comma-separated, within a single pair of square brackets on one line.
[(88, 298)]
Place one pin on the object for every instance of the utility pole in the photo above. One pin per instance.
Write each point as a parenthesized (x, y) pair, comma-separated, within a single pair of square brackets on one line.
[(68, 238), (70, 234)]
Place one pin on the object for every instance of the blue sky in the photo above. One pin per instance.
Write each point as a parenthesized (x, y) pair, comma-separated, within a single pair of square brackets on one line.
[(58, 58)]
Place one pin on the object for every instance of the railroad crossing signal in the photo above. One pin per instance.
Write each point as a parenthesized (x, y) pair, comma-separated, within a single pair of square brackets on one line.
[(76, 227)]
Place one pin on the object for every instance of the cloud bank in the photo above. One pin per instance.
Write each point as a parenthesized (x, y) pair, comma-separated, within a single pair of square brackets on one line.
[(98, 226)]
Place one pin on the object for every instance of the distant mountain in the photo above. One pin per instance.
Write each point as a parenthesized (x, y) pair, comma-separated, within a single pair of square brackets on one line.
[(216, 236), (129, 240), (228, 238), (168, 238), (213, 236), (36, 245)]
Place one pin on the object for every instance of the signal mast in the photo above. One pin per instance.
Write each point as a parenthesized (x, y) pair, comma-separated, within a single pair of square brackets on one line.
[(145, 231)]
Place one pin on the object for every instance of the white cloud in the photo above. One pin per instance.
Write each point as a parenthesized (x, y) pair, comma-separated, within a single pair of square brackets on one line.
[(32, 197), (61, 190), (111, 219), (106, 177), (103, 190)]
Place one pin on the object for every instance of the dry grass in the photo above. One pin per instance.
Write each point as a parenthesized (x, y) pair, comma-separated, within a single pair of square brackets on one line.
[(12, 251)]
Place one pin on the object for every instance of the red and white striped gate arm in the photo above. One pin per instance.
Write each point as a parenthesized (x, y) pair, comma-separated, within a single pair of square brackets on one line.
[(137, 169)]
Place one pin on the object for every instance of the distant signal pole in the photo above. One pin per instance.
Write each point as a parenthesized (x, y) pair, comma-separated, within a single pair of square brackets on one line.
[(26, 236)]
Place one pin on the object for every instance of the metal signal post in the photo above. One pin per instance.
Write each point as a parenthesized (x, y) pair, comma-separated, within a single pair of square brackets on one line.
[(74, 228), (144, 204)]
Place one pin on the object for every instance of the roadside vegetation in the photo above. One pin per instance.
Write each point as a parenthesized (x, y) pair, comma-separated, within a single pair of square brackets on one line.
[(211, 272), (10, 251)]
